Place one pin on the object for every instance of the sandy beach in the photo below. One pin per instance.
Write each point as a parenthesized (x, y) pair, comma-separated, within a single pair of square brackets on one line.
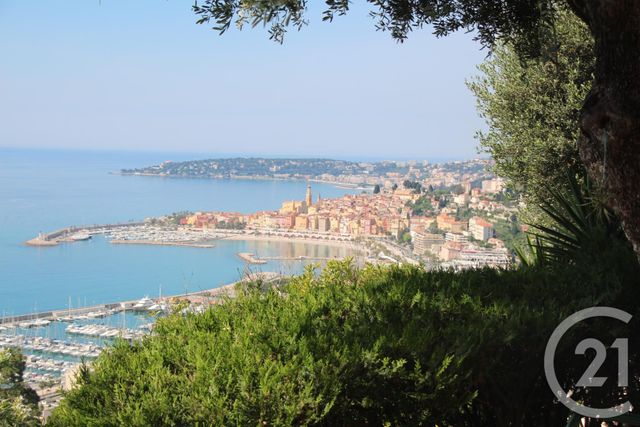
[(161, 243), (263, 238)]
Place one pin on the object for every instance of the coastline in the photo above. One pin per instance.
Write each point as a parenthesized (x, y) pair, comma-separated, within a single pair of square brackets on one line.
[(196, 239), (338, 184), (161, 243), (262, 238)]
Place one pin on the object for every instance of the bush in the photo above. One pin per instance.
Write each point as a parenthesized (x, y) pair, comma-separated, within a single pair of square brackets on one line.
[(18, 402), (374, 346)]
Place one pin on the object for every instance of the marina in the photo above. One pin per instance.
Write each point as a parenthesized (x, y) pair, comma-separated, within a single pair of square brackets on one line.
[(57, 341), (104, 331), (50, 346)]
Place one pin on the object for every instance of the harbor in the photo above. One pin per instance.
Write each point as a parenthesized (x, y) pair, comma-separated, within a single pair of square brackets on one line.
[(75, 234), (55, 343)]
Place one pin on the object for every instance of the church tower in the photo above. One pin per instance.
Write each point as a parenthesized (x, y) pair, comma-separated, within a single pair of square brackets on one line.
[(308, 199)]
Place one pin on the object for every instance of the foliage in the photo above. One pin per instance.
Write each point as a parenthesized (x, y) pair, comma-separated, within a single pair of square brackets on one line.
[(532, 109), (510, 233), (405, 236), (233, 224), (523, 22), (421, 206), (14, 412), (582, 227), (376, 189), (18, 402), (279, 168), (375, 346), (174, 218), (415, 186)]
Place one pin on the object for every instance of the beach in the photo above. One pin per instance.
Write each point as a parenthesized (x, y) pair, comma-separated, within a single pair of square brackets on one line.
[(271, 238)]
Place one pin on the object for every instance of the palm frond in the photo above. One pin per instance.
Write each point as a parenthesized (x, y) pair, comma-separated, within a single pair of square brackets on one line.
[(580, 226)]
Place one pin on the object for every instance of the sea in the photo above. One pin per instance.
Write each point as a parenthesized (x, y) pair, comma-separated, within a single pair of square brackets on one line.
[(44, 190)]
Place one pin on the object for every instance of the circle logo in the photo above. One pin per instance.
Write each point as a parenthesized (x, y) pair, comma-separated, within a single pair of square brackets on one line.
[(589, 379)]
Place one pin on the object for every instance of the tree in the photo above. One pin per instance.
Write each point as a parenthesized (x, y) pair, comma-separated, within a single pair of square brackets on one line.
[(609, 140), (421, 206), (414, 186), (394, 187), (532, 110), (376, 189), (18, 402)]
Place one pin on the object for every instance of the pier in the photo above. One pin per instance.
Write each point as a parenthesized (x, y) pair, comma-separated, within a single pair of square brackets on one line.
[(255, 259), (250, 258)]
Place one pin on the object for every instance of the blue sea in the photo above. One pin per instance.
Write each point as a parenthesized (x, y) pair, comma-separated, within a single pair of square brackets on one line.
[(43, 190)]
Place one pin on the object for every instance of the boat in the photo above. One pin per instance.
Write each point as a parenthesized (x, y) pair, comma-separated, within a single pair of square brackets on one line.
[(143, 303), (80, 237), (158, 307)]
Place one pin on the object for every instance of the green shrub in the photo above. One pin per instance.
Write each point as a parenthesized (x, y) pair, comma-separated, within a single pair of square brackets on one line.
[(373, 346), (18, 402)]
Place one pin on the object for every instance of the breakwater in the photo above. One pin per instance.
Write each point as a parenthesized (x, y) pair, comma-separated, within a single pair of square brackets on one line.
[(66, 234)]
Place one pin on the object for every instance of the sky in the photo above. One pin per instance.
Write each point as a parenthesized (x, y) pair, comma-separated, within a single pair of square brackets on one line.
[(141, 75)]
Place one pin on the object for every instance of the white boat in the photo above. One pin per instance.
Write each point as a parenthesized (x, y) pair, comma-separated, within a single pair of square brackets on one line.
[(41, 322), (143, 304), (158, 307), (80, 237)]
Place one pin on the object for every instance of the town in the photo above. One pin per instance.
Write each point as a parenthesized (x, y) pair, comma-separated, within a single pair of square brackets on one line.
[(454, 217)]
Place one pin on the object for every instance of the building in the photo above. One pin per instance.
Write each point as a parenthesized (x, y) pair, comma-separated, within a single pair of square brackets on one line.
[(324, 224), (461, 199), (473, 257), (480, 229), (424, 243), (492, 186), (450, 251), (291, 206), (448, 223), (302, 222), (456, 237)]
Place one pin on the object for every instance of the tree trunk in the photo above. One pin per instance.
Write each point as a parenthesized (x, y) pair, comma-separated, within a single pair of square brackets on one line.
[(609, 143)]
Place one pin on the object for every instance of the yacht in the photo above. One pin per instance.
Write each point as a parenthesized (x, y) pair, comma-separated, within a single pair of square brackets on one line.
[(80, 236), (158, 307), (143, 304)]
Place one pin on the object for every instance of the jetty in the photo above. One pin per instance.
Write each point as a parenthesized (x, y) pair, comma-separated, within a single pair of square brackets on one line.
[(74, 233), (250, 258), (254, 259), (298, 258)]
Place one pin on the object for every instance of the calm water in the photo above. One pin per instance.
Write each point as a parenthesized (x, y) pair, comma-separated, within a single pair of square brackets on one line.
[(46, 190)]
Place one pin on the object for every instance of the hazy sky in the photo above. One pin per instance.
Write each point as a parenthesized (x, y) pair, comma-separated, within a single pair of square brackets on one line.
[(140, 74)]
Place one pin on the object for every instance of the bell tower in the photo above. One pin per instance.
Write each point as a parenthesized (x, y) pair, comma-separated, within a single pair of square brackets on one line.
[(308, 198)]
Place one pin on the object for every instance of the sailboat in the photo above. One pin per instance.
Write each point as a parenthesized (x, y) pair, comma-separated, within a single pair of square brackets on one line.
[(68, 317), (159, 306)]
